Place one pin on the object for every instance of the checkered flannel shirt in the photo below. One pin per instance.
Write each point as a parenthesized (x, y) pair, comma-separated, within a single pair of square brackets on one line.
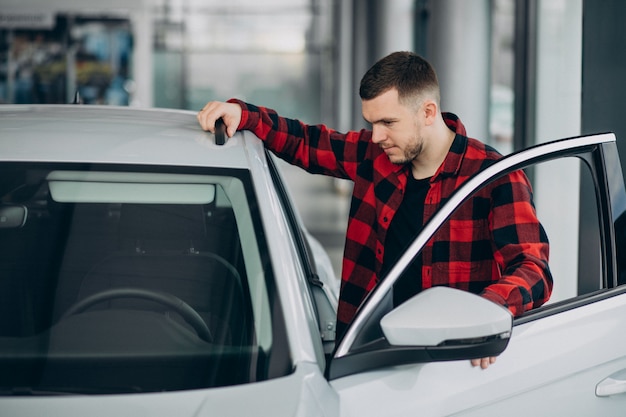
[(493, 245)]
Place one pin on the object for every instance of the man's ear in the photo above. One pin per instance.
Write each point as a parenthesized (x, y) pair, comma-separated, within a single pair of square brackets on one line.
[(430, 110)]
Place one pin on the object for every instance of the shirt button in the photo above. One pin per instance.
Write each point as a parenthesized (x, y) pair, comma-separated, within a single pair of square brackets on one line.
[(385, 219)]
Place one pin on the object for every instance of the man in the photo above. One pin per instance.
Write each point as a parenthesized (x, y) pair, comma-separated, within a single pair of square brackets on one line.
[(410, 162)]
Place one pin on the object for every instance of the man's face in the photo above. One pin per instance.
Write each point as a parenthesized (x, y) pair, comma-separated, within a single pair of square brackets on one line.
[(395, 127)]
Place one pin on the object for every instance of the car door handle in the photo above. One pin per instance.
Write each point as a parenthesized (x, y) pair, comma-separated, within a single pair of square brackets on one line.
[(612, 385)]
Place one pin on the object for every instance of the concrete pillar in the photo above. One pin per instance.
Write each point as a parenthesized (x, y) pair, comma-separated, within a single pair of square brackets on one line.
[(143, 73), (459, 48), (379, 27), (344, 91), (397, 24)]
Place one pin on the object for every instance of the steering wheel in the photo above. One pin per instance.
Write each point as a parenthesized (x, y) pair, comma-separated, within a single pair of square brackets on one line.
[(190, 315)]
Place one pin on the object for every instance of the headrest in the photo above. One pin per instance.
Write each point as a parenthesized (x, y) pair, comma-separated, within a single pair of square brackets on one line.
[(162, 221)]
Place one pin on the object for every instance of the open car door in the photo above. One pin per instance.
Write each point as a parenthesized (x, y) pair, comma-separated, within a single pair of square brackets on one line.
[(567, 357)]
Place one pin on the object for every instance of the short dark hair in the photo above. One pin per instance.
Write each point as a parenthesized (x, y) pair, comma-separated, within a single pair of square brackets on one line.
[(407, 72)]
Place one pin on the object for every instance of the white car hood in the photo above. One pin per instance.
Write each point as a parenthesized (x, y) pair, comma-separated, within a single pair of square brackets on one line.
[(299, 394)]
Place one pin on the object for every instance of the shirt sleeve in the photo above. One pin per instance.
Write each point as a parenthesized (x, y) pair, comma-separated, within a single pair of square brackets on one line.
[(315, 148), (521, 248)]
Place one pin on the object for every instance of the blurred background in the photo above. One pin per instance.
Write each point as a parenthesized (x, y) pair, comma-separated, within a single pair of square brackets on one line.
[(517, 72)]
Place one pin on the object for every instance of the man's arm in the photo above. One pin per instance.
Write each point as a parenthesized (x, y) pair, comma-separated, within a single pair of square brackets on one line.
[(521, 248), (522, 251), (315, 148)]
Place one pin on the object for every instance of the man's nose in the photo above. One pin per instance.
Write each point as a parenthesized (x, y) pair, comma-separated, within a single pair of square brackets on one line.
[(378, 135)]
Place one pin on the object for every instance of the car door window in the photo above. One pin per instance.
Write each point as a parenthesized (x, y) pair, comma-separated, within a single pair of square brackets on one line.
[(568, 199), (566, 203)]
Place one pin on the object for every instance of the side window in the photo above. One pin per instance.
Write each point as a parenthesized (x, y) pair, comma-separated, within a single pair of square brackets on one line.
[(567, 207)]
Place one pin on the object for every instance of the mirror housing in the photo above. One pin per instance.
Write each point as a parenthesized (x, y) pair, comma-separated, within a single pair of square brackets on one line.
[(439, 324), (12, 216), (442, 315)]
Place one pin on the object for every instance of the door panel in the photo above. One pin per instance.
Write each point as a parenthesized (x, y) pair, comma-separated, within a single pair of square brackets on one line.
[(551, 367), (560, 359)]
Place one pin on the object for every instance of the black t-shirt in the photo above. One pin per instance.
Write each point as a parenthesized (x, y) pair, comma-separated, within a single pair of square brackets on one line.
[(405, 226)]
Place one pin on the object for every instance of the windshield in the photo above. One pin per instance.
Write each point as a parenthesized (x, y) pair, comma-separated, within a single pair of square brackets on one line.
[(117, 280)]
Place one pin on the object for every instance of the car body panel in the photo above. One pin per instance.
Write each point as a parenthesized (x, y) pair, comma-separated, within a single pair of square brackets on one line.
[(144, 136)]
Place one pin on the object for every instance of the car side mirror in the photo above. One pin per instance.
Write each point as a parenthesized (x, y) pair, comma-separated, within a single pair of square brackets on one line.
[(443, 316), (439, 324), (12, 216)]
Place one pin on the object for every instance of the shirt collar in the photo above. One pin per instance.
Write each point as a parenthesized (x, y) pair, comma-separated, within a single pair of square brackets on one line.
[(452, 163)]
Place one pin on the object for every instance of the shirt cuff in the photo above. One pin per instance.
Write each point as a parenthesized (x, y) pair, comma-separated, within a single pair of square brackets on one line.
[(246, 122)]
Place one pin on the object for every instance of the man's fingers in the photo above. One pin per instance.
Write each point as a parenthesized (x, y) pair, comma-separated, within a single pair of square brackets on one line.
[(483, 362), (207, 116), (213, 110)]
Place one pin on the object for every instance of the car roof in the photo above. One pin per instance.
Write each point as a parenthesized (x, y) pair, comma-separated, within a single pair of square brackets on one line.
[(109, 134)]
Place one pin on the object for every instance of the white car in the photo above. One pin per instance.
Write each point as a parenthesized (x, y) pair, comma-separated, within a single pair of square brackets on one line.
[(148, 268)]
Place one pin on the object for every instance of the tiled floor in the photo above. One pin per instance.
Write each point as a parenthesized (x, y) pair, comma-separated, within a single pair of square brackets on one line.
[(323, 203)]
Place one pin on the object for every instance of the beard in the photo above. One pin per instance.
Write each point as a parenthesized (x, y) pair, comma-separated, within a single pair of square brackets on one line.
[(412, 151)]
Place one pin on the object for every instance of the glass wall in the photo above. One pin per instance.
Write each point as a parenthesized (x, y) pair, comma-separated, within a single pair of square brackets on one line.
[(501, 109), (276, 53), (70, 53)]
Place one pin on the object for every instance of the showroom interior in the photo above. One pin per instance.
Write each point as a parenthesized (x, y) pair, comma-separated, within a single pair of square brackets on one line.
[(517, 72)]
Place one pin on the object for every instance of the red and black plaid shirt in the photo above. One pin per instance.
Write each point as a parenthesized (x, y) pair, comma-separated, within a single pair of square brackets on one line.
[(493, 245)]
